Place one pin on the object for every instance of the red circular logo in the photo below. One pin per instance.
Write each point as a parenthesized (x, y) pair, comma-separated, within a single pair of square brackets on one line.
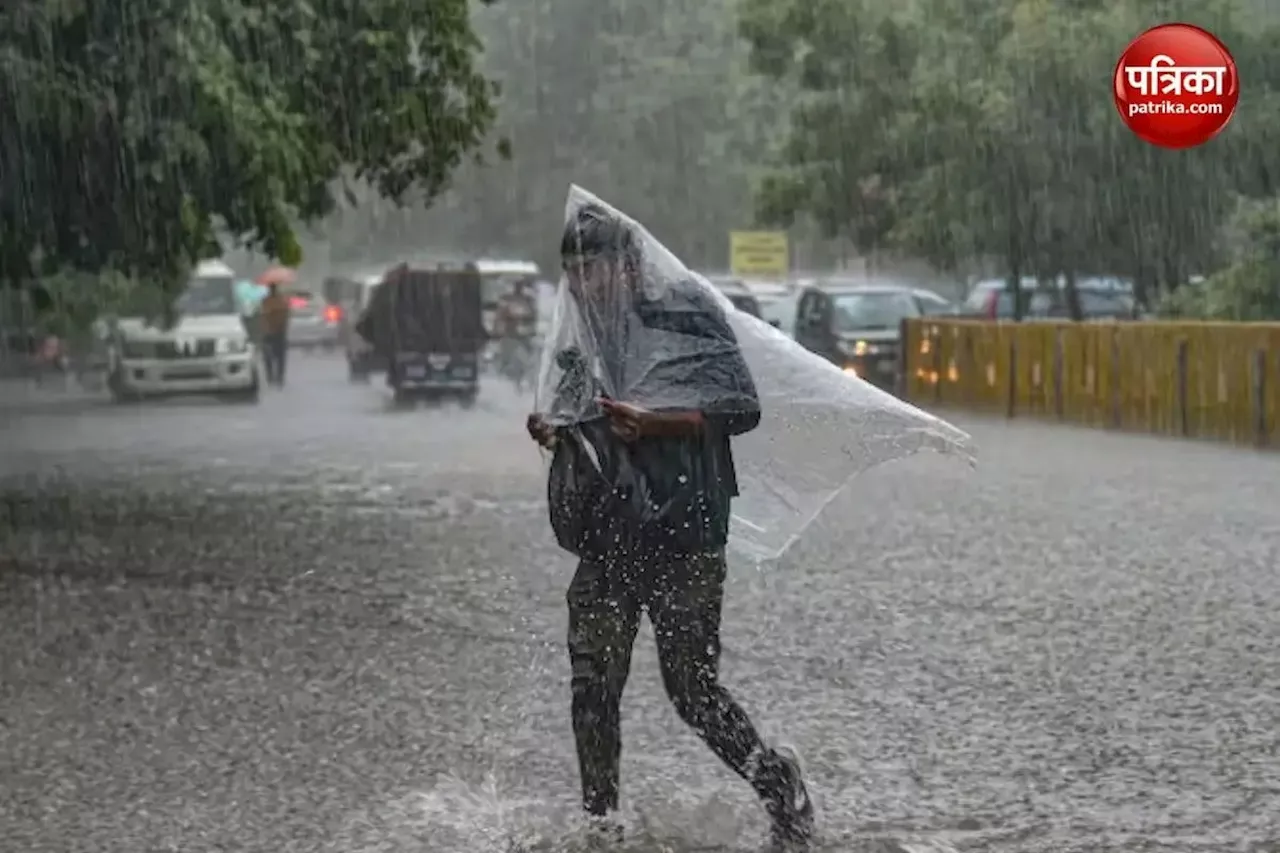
[(1176, 86)]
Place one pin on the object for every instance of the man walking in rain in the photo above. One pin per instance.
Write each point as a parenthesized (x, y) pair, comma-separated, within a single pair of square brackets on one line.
[(273, 318), (642, 497)]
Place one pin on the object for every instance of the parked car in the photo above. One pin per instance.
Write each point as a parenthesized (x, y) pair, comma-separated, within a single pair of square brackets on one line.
[(771, 301), (1106, 297), (780, 310), (777, 302), (933, 305), (991, 299), (1094, 305), (736, 291), (858, 328)]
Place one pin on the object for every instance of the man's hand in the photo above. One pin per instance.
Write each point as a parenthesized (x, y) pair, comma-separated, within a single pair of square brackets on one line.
[(631, 422), (541, 431)]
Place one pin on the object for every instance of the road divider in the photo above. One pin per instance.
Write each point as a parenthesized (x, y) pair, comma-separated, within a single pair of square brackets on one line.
[(1197, 380)]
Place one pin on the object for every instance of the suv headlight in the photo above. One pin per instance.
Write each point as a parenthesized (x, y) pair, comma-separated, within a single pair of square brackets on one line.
[(233, 345), (857, 348)]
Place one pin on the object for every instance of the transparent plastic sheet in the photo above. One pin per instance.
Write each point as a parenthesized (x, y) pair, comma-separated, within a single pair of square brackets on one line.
[(631, 323)]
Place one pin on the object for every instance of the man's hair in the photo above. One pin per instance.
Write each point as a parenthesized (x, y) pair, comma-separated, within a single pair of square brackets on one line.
[(593, 232)]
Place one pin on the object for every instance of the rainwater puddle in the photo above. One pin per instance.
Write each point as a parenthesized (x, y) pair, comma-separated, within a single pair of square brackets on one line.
[(364, 498), (487, 818), (442, 508)]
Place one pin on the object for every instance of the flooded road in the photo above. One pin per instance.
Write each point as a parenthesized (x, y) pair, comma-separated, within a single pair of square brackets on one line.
[(321, 625)]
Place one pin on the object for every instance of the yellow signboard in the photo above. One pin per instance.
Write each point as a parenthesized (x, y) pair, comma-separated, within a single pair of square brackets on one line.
[(758, 253)]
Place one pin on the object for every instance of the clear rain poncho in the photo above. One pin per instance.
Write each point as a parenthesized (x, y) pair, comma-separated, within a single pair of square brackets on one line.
[(633, 324)]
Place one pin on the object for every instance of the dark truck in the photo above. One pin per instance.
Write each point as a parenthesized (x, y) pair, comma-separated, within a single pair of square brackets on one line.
[(427, 326)]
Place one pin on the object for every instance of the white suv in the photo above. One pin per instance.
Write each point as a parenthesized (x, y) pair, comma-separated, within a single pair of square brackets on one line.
[(208, 351)]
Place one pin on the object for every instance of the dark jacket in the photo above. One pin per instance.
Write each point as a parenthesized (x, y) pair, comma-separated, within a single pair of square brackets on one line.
[(665, 494)]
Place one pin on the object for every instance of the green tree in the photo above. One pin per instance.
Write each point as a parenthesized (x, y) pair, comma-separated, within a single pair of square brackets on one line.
[(648, 104), (961, 129), (1248, 289), (133, 134)]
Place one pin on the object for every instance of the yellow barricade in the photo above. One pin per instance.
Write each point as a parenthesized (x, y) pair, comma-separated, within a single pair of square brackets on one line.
[(1201, 380)]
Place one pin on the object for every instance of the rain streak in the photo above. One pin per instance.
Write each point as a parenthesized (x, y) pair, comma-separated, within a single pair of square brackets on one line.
[(654, 427)]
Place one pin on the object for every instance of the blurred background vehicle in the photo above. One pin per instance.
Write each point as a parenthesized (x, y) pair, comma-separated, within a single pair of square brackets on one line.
[(362, 359), (314, 324), (206, 351), (1094, 305), (546, 294), (859, 327), (1101, 297), (736, 291), (991, 299), (933, 305), (781, 305), (775, 299), (771, 301), (428, 325), (499, 278)]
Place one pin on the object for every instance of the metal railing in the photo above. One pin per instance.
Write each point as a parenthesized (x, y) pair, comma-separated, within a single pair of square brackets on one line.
[(1198, 380)]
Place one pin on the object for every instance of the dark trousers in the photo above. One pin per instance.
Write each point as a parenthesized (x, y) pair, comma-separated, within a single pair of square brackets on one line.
[(683, 598), (275, 350)]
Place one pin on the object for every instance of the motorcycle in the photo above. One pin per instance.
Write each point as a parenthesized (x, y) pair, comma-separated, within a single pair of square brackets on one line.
[(516, 360)]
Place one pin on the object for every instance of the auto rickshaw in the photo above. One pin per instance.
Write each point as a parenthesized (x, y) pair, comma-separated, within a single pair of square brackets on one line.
[(427, 327)]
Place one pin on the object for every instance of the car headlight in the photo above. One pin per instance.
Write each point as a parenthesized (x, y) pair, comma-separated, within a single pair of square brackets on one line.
[(857, 348), (233, 345)]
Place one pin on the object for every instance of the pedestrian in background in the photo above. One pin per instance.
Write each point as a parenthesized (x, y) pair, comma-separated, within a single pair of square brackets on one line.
[(51, 359), (273, 321)]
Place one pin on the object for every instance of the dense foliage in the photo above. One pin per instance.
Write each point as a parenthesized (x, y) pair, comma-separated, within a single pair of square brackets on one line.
[(650, 104), (954, 129), (134, 133), (974, 134), (978, 135), (1248, 287)]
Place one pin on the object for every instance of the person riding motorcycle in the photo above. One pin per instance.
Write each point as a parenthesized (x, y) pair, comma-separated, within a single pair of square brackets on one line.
[(515, 328), (517, 313)]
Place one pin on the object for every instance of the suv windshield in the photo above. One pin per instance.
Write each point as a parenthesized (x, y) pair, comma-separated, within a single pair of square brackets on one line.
[(207, 297), (856, 312)]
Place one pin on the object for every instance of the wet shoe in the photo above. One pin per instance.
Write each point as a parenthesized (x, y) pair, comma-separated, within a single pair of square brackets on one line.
[(787, 801), (603, 833)]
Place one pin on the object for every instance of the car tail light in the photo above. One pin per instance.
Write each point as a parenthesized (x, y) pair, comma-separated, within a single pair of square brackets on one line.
[(991, 309), (297, 302), (332, 314)]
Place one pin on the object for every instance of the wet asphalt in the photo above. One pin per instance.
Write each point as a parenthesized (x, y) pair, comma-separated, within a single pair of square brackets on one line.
[(319, 624)]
